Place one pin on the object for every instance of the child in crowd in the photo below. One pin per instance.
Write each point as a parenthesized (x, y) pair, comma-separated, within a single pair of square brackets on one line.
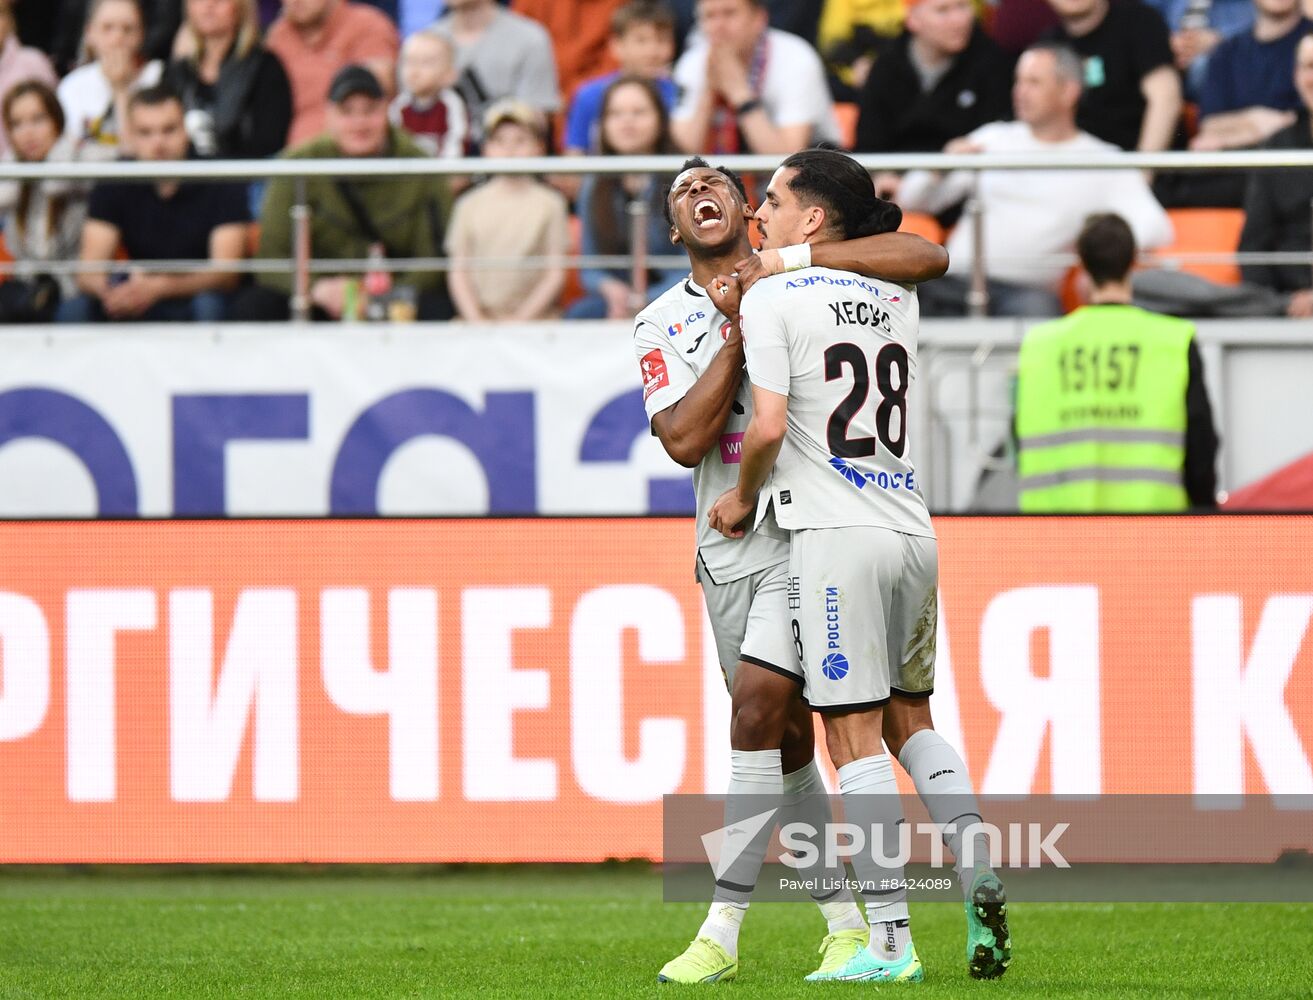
[(428, 107), (643, 42), (509, 217)]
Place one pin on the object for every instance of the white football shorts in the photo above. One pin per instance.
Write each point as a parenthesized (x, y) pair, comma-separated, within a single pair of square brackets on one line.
[(864, 602), (750, 620)]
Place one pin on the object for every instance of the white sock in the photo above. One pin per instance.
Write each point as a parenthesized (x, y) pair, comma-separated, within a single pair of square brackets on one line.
[(870, 800), (944, 786), (756, 783), (807, 801), (722, 925)]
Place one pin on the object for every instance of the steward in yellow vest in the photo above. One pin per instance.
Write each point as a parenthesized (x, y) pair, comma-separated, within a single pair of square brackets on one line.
[(1112, 412)]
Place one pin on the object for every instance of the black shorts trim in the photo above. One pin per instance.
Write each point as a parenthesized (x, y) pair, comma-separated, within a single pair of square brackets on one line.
[(912, 695), (734, 886), (856, 706), (745, 658)]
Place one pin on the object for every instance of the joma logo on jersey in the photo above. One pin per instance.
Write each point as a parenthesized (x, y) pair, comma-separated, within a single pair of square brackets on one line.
[(675, 329), (884, 480)]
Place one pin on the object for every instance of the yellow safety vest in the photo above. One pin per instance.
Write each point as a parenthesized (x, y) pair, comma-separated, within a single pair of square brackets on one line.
[(1101, 415)]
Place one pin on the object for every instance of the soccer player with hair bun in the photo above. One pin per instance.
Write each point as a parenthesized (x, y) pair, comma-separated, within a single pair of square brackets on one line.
[(832, 363), (690, 354)]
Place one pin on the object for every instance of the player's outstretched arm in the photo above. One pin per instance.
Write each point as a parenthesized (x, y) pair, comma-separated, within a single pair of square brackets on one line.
[(691, 427), (902, 257)]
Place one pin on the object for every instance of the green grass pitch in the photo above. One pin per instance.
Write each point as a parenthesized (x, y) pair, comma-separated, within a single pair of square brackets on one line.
[(587, 932)]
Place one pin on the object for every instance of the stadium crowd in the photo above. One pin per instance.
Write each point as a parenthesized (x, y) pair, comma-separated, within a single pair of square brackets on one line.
[(174, 79)]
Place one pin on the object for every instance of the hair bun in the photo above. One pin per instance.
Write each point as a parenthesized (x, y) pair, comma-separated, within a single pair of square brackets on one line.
[(884, 217)]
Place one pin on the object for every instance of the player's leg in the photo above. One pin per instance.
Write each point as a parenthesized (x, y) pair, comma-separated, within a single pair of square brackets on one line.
[(772, 753), (871, 802), (938, 771), (843, 573), (769, 711), (755, 772)]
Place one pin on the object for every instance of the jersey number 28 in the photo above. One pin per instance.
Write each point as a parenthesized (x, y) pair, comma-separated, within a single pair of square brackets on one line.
[(890, 366)]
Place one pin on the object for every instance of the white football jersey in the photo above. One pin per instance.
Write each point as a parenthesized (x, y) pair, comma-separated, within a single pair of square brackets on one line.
[(675, 339), (843, 349)]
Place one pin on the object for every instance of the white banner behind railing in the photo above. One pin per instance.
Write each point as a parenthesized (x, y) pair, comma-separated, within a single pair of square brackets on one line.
[(280, 421), (303, 420)]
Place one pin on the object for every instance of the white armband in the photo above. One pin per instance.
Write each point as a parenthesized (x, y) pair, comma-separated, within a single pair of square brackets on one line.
[(796, 257)]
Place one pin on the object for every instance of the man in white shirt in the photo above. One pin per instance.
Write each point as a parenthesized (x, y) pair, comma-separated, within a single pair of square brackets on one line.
[(832, 361), (749, 88), (1031, 217)]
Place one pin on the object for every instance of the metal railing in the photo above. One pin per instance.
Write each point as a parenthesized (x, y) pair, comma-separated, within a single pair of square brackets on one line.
[(301, 265)]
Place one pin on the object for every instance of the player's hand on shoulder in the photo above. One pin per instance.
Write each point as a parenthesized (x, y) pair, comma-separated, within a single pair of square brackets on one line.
[(729, 515), (727, 294)]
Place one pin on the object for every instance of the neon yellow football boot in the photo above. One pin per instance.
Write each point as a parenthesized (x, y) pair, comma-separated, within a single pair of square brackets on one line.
[(703, 961), (838, 948), (865, 967)]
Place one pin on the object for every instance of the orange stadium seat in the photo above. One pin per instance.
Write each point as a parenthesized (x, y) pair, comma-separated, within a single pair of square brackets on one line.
[(847, 114), (1205, 230), (1074, 290), (924, 225)]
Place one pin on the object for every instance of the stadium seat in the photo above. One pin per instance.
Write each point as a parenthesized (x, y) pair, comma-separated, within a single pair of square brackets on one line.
[(923, 225), (847, 113), (1190, 119), (5, 257), (1205, 230), (1074, 289)]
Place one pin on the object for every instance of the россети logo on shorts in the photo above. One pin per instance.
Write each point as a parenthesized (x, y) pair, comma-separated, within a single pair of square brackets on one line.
[(835, 664)]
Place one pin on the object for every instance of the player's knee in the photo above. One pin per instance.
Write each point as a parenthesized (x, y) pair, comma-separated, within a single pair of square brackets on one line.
[(758, 725)]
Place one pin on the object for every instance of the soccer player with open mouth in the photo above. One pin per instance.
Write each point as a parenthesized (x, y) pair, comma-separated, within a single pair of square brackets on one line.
[(691, 356)]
